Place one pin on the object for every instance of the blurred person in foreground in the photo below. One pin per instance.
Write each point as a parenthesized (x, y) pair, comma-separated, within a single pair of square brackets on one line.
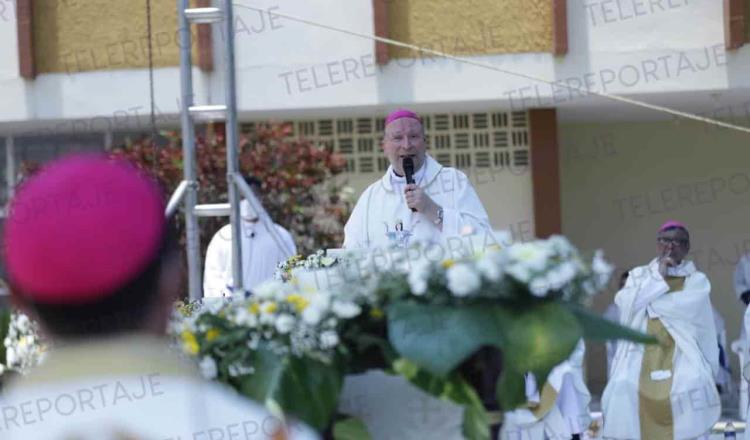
[(91, 256), (441, 203), (665, 390), (261, 251)]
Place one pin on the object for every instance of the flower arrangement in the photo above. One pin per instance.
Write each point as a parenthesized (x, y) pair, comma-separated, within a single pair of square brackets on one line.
[(24, 348), (402, 311), (314, 261)]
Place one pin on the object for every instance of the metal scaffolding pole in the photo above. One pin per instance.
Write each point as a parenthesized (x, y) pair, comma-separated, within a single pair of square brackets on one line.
[(232, 139), (188, 153)]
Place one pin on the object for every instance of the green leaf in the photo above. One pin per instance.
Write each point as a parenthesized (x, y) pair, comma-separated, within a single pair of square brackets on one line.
[(350, 429), (303, 387), (453, 389), (598, 328), (438, 338), (511, 390), (539, 337)]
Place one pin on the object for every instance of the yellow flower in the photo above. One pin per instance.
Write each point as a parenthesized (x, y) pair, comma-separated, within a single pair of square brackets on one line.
[(212, 334), (254, 308), (189, 343), (271, 307), (376, 313), (298, 301), (448, 263)]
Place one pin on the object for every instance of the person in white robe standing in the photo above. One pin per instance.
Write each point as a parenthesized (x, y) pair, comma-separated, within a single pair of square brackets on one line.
[(261, 251), (665, 390), (441, 203)]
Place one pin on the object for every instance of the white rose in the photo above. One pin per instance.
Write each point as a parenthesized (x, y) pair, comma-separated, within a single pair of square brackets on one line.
[(345, 309), (284, 323), (462, 279), (329, 339), (208, 367)]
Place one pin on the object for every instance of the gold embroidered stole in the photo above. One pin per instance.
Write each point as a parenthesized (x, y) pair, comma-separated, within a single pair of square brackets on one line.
[(655, 405)]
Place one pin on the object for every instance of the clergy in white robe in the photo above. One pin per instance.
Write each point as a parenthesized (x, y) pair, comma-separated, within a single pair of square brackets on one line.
[(559, 410), (441, 203), (261, 252), (101, 282), (665, 390)]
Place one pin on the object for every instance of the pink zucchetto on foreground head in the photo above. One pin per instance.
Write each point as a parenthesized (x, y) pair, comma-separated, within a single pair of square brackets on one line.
[(81, 228)]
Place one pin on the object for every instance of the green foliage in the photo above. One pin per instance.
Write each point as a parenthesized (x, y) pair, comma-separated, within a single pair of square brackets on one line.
[(303, 387)]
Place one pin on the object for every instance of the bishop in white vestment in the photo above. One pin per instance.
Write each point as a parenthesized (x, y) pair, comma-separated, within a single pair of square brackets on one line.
[(441, 203), (665, 390)]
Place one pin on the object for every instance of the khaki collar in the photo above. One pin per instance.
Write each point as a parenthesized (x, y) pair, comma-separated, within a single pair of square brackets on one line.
[(127, 355)]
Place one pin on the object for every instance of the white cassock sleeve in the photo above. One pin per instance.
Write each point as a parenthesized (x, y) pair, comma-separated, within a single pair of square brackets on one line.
[(354, 230), (467, 211), (741, 277), (218, 256)]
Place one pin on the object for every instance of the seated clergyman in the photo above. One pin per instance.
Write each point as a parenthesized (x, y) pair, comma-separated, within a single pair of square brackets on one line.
[(665, 390)]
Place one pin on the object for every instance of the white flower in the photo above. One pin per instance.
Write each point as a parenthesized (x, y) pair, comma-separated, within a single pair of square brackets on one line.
[(329, 339), (602, 269), (519, 272), (237, 369), (418, 278), (208, 367), (539, 287), (531, 255), (562, 275), (463, 279), (489, 267), (345, 309), (268, 290), (245, 318), (312, 315), (284, 323)]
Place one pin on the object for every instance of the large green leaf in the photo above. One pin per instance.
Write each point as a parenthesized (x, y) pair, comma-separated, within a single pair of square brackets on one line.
[(350, 429), (453, 389), (539, 337), (598, 328), (438, 338), (303, 387)]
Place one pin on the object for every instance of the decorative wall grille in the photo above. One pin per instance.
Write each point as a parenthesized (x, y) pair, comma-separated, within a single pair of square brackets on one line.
[(461, 140)]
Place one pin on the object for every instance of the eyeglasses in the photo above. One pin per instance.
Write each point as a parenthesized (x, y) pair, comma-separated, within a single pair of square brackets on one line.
[(673, 241), (400, 137)]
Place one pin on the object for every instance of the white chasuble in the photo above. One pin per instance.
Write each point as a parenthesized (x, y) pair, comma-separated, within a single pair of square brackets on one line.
[(382, 218), (665, 390)]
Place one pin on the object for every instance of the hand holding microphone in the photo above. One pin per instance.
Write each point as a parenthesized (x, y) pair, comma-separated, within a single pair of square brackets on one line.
[(408, 165)]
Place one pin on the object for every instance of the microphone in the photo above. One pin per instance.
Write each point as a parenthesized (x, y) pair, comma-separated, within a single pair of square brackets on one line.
[(408, 164)]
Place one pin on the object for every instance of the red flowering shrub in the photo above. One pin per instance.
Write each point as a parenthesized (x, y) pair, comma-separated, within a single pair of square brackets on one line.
[(302, 190)]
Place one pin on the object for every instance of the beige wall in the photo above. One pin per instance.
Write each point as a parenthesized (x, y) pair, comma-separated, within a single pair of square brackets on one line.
[(621, 181), (82, 35), (471, 27)]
